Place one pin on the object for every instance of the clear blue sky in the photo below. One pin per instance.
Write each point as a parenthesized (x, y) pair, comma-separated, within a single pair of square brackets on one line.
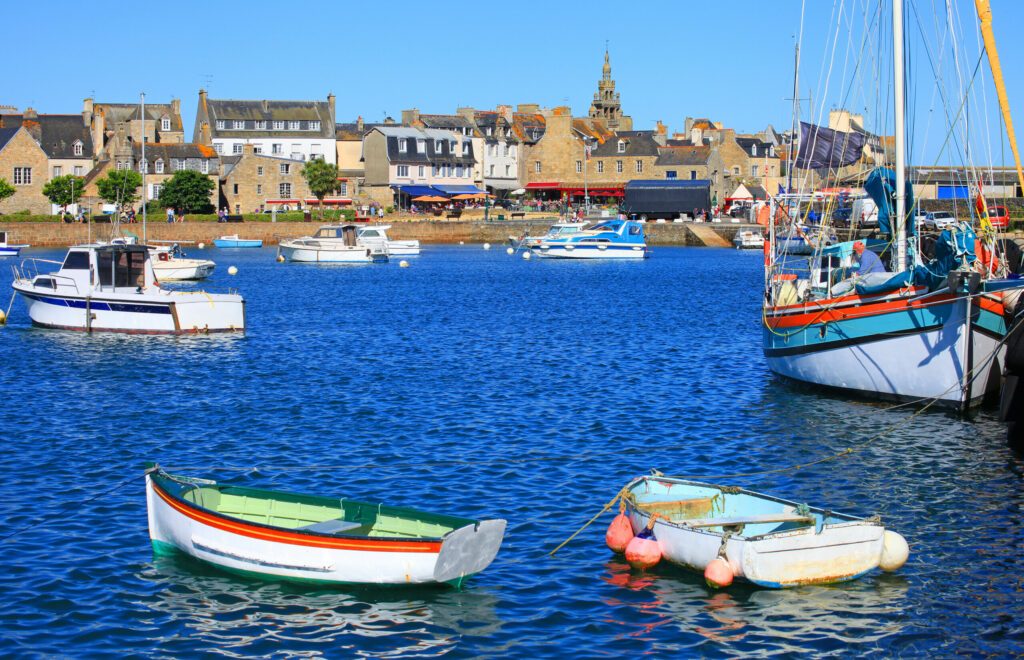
[(729, 60)]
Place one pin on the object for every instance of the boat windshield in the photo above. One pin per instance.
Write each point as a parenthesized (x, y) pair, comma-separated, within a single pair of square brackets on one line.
[(76, 261), (122, 268)]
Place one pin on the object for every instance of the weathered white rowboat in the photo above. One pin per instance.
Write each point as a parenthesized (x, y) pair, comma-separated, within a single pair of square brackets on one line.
[(766, 540), (286, 536)]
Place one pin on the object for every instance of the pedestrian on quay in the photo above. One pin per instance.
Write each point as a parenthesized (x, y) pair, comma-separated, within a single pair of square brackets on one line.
[(131, 216), (380, 212), (170, 215), (181, 215)]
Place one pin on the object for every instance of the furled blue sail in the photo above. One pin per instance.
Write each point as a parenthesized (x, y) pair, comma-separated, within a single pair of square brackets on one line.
[(822, 147), (881, 185)]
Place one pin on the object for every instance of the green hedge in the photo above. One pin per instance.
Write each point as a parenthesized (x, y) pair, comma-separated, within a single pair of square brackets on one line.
[(290, 216)]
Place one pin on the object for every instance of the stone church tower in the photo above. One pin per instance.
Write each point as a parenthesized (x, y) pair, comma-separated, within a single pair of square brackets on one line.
[(606, 105)]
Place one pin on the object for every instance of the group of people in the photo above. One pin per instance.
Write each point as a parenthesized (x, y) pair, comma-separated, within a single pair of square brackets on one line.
[(173, 217)]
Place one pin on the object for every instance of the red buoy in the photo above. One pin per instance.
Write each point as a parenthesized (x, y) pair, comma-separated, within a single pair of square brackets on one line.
[(718, 573), (643, 551), (619, 533)]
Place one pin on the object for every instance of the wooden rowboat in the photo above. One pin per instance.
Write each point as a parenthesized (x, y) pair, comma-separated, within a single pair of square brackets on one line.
[(766, 540), (285, 536)]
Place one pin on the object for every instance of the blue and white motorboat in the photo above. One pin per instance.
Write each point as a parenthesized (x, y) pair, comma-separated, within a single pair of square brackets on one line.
[(233, 241), (611, 239), (558, 230), (8, 249)]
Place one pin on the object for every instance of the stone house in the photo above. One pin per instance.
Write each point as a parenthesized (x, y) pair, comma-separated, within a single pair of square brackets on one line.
[(499, 148), (254, 182), (107, 121), (624, 156), (461, 123), (24, 164), (683, 162), (399, 156), (297, 130), (528, 127)]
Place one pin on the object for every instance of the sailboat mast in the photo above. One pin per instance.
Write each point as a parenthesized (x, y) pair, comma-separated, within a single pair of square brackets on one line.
[(900, 225), (145, 167)]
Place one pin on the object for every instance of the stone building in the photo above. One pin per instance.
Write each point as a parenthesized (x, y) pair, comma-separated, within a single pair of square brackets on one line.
[(298, 130), (683, 162), (254, 182), (461, 123), (401, 156), (606, 105), (528, 127), (499, 148), (162, 124), (24, 164), (348, 140)]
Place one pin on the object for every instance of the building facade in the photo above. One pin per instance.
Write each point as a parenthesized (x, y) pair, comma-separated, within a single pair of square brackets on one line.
[(296, 130), (107, 121), (24, 164), (253, 182), (397, 156)]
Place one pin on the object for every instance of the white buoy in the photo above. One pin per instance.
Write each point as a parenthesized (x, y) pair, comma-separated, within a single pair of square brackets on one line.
[(487, 246), (509, 251), (462, 242), (3, 317), (403, 264), (280, 258), (527, 255), (201, 246), (894, 551), (232, 270)]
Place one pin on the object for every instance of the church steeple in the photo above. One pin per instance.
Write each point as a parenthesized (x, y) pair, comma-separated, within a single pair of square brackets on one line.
[(606, 104)]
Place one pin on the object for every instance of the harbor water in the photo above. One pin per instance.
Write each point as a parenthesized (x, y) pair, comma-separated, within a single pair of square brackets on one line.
[(483, 385)]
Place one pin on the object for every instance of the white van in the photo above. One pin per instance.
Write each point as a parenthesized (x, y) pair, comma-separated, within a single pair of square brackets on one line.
[(865, 213)]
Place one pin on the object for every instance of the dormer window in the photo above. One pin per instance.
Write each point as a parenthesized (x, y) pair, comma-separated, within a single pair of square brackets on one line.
[(421, 146), (165, 123), (293, 125), (771, 151), (438, 146), (489, 131), (143, 166), (159, 165), (314, 126), (238, 125), (465, 148), (220, 124), (622, 147), (402, 148), (278, 125), (260, 125), (77, 147), (753, 150)]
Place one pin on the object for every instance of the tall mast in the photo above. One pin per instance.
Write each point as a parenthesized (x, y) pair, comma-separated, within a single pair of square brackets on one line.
[(145, 167), (900, 262)]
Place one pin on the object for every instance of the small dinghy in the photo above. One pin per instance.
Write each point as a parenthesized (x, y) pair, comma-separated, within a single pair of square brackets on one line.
[(233, 241), (284, 536), (763, 539)]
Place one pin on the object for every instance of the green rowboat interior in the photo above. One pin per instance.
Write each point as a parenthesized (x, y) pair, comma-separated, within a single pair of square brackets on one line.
[(309, 513)]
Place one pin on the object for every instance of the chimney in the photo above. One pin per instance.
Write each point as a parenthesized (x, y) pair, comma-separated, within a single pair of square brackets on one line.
[(528, 108), (330, 106), (559, 121), (205, 137), (265, 104), (176, 107), (248, 149), (359, 123), (87, 112), (410, 117), (505, 111), (30, 114), (202, 101)]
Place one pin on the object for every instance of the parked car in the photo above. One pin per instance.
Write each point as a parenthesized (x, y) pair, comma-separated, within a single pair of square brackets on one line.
[(999, 216), (939, 220)]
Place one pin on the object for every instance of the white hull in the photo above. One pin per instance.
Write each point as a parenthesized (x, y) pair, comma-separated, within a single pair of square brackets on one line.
[(591, 252), (339, 254), (463, 552), (159, 312), (183, 269)]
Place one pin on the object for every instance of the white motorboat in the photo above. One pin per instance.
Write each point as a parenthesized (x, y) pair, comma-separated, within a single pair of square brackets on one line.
[(611, 239), (172, 265), (332, 244), (376, 235), (747, 239), (9, 249), (102, 287), (558, 230)]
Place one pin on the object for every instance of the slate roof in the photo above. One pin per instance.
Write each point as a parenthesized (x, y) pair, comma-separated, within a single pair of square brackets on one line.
[(489, 119), (638, 143), (429, 155), (167, 151), (350, 130), (6, 134), (593, 128), (56, 134), (528, 127), (449, 122), (228, 111), (684, 156), (747, 143), (119, 112)]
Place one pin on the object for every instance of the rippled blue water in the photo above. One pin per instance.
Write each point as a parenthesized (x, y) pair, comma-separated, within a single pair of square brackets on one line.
[(482, 385)]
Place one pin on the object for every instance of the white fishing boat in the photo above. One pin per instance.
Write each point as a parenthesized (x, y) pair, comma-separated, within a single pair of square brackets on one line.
[(611, 239), (377, 236), (331, 540), (747, 239), (171, 264), (102, 287), (332, 244), (558, 230), (765, 540), (9, 249)]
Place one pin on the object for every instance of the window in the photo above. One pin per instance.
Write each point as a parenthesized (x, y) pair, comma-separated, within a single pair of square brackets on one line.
[(421, 170), (491, 173), (79, 170), (433, 170), (344, 188), (57, 170), (600, 167), (401, 145), (671, 174), (159, 166), (297, 152), (177, 164), (236, 148), (120, 166), (259, 188), (489, 130), (286, 168), (156, 188), (639, 166), (204, 166), (736, 169), (278, 125), (536, 167), (315, 152), (465, 148), (618, 166), (218, 147), (238, 125), (165, 123), (771, 151), (403, 170), (508, 169), (458, 171), (260, 125), (438, 146), (421, 146), (753, 170), (753, 150), (220, 124), (257, 148), (259, 171), (285, 190), (276, 148), (579, 166), (314, 126), (504, 149), (293, 125), (77, 148), (76, 261), (144, 166), (693, 175), (234, 189), (622, 147)]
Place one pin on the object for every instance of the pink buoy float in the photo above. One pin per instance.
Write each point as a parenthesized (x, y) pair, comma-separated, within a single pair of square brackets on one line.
[(643, 551), (718, 573), (619, 533)]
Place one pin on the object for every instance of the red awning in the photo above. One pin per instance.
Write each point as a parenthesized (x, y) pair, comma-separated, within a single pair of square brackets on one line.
[(283, 201), (331, 201), (543, 185), (601, 191)]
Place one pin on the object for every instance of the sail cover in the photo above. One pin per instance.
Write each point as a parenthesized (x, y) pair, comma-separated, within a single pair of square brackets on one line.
[(881, 186), (822, 147)]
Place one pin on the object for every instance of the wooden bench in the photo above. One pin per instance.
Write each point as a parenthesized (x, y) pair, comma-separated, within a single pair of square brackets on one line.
[(518, 214), (699, 506), (750, 520), (234, 218), (454, 215)]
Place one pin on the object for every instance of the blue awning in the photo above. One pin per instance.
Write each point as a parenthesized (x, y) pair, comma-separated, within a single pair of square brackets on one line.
[(459, 190), (417, 191)]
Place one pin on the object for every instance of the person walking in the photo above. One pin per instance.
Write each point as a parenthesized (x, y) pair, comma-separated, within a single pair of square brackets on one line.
[(170, 215)]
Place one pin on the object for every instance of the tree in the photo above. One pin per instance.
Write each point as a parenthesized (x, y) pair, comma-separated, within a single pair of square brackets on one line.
[(322, 179), (189, 191), (64, 190), (120, 187), (6, 189)]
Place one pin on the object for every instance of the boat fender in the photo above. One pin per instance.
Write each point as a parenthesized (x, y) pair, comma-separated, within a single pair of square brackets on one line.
[(643, 551), (718, 573), (894, 551), (280, 258), (619, 533)]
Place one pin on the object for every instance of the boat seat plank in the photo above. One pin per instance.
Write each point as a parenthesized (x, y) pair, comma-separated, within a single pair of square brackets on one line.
[(333, 526), (688, 508), (750, 520)]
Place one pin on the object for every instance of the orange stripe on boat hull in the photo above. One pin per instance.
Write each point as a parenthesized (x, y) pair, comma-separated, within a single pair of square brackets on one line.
[(858, 311), (275, 536)]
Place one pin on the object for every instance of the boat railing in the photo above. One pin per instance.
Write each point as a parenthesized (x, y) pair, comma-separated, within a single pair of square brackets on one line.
[(28, 271)]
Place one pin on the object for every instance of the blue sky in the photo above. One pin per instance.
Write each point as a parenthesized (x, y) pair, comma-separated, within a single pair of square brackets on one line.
[(729, 60)]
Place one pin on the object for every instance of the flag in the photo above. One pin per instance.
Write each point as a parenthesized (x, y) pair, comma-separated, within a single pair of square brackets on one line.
[(782, 191), (822, 147)]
